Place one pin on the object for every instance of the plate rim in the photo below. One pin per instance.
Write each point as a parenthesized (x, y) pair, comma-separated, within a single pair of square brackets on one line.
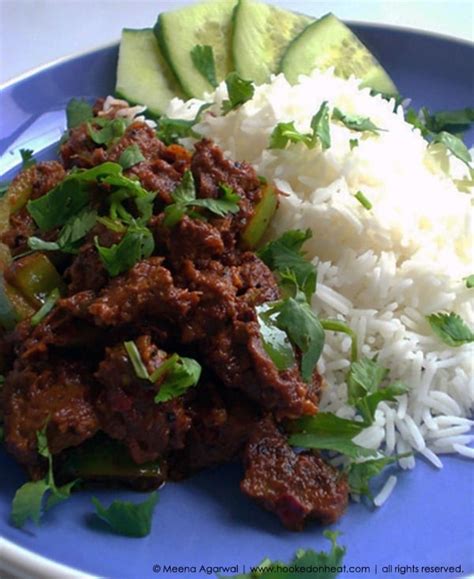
[(23, 563), (18, 560)]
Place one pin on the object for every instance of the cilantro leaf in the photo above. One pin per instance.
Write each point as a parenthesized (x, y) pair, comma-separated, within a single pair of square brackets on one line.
[(239, 90), (184, 198), (362, 199), (337, 326), (27, 158), (470, 281), (275, 341), (180, 374), (295, 317), (412, 117), (354, 122), (131, 156), (73, 232), (135, 245), (69, 197), (285, 255), (303, 558), (320, 126), (111, 129), (203, 60), (228, 203), (367, 405), (363, 381), (78, 112), (326, 431), (353, 143), (136, 360), (285, 133), (126, 188), (455, 146), (126, 518), (365, 376), (450, 121), (61, 494), (451, 329), (44, 310), (170, 130), (360, 473), (27, 502), (177, 374)]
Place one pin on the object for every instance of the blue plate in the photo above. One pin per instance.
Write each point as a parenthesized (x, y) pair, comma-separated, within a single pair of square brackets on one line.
[(205, 521)]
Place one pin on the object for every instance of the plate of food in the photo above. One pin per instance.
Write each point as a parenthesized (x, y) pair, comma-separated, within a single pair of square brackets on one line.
[(236, 302)]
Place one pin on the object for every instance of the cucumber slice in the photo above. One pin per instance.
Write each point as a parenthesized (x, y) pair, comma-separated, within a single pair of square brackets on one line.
[(206, 24), (261, 35), (143, 76), (260, 220), (328, 42)]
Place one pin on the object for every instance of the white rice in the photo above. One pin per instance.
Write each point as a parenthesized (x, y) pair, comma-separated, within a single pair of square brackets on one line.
[(386, 491), (380, 271)]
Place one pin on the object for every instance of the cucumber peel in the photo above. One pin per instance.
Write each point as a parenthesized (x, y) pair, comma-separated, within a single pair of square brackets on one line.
[(328, 42), (143, 76), (260, 36), (263, 213)]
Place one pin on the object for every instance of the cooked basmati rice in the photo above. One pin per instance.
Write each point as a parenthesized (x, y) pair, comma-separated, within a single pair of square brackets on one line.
[(386, 491), (381, 271)]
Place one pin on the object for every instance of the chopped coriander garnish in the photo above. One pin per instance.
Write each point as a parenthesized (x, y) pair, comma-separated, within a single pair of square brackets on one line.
[(470, 281), (360, 473), (68, 198), (285, 255), (326, 431), (275, 341), (296, 318), (354, 122), (454, 145), (131, 156), (78, 112), (180, 374), (110, 130), (28, 500), (239, 91), (171, 130), (285, 133), (337, 326), (353, 143), (320, 126), (126, 518), (431, 123), (203, 60), (135, 245), (70, 235), (303, 559), (44, 310), (136, 360), (177, 373), (364, 391), (184, 200), (362, 199), (451, 329), (451, 121), (27, 158)]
